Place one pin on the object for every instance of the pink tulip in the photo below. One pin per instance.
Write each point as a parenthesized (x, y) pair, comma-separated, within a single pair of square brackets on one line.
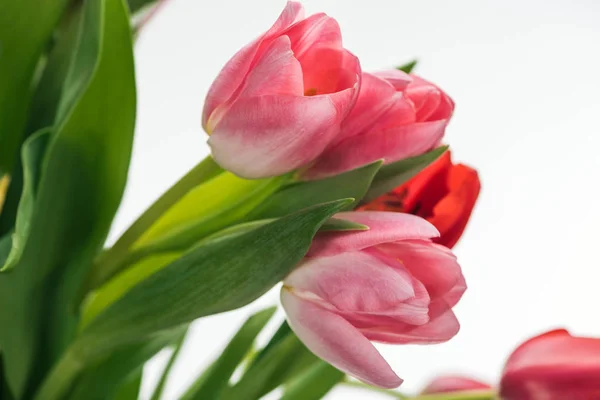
[(281, 99), (396, 116), (388, 284), (553, 366), (448, 384)]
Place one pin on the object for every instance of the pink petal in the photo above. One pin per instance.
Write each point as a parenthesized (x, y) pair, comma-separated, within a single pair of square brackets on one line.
[(399, 79), (336, 341), (234, 72), (554, 365), (432, 264), (390, 145), (438, 330), (271, 135), (318, 30), (384, 227), (448, 384), (374, 98), (329, 70), (431, 103), (353, 281)]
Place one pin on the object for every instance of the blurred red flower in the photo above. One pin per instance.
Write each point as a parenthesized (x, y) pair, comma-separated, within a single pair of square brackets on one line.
[(443, 193)]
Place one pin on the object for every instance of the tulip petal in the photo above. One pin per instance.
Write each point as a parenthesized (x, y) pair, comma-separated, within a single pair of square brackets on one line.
[(448, 384), (438, 330), (390, 145), (332, 338), (234, 72), (375, 97), (554, 365), (399, 79), (384, 227), (434, 265), (317, 30), (271, 135)]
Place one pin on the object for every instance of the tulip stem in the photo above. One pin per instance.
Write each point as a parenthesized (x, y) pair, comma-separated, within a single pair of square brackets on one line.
[(466, 395), (387, 392)]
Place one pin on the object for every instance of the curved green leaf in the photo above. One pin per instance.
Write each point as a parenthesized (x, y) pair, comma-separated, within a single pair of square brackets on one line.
[(214, 277), (352, 184), (82, 181), (212, 384), (314, 383), (408, 67), (33, 153), (26, 27)]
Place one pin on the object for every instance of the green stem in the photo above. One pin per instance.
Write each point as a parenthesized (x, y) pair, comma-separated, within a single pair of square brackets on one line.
[(58, 382), (466, 395), (374, 389)]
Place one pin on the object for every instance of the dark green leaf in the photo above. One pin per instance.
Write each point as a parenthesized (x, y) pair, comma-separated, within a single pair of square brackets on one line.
[(408, 67), (160, 387), (33, 153), (103, 379), (353, 184), (219, 374), (103, 270), (130, 389), (213, 277), (314, 383), (83, 178), (252, 385), (26, 27), (393, 175)]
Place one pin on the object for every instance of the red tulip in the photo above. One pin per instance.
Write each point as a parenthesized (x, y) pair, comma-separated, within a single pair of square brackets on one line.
[(553, 366), (281, 99), (448, 384), (443, 193), (396, 116), (388, 284)]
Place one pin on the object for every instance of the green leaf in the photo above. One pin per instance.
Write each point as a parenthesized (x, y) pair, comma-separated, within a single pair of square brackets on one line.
[(252, 385), (4, 182), (26, 27), (160, 387), (103, 379), (336, 224), (130, 389), (214, 277), (206, 209), (314, 384), (393, 175), (33, 153), (353, 184), (408, 67), (111, 262), (219, 374), (82, 181)]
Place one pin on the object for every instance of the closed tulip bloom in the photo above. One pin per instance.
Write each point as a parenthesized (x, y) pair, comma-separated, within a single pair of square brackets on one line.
[(444, 194), (553, 366), (449, 384), (281, 99), (396, 116), (389, 284)]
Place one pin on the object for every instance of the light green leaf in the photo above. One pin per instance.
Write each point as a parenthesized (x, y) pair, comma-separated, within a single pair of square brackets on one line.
[(206, 209), (314, 383), (353, 184), (82, 181), (214, 277), (217, 378), (408, 67), (111, 262), (336, 224), (33, 153), (393, 175), (26, 27)]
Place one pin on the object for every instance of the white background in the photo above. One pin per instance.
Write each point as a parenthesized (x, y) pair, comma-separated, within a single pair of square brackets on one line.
[(526, 79)]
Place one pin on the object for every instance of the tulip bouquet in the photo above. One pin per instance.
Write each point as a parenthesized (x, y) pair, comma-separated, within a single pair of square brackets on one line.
[(332, 181)]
